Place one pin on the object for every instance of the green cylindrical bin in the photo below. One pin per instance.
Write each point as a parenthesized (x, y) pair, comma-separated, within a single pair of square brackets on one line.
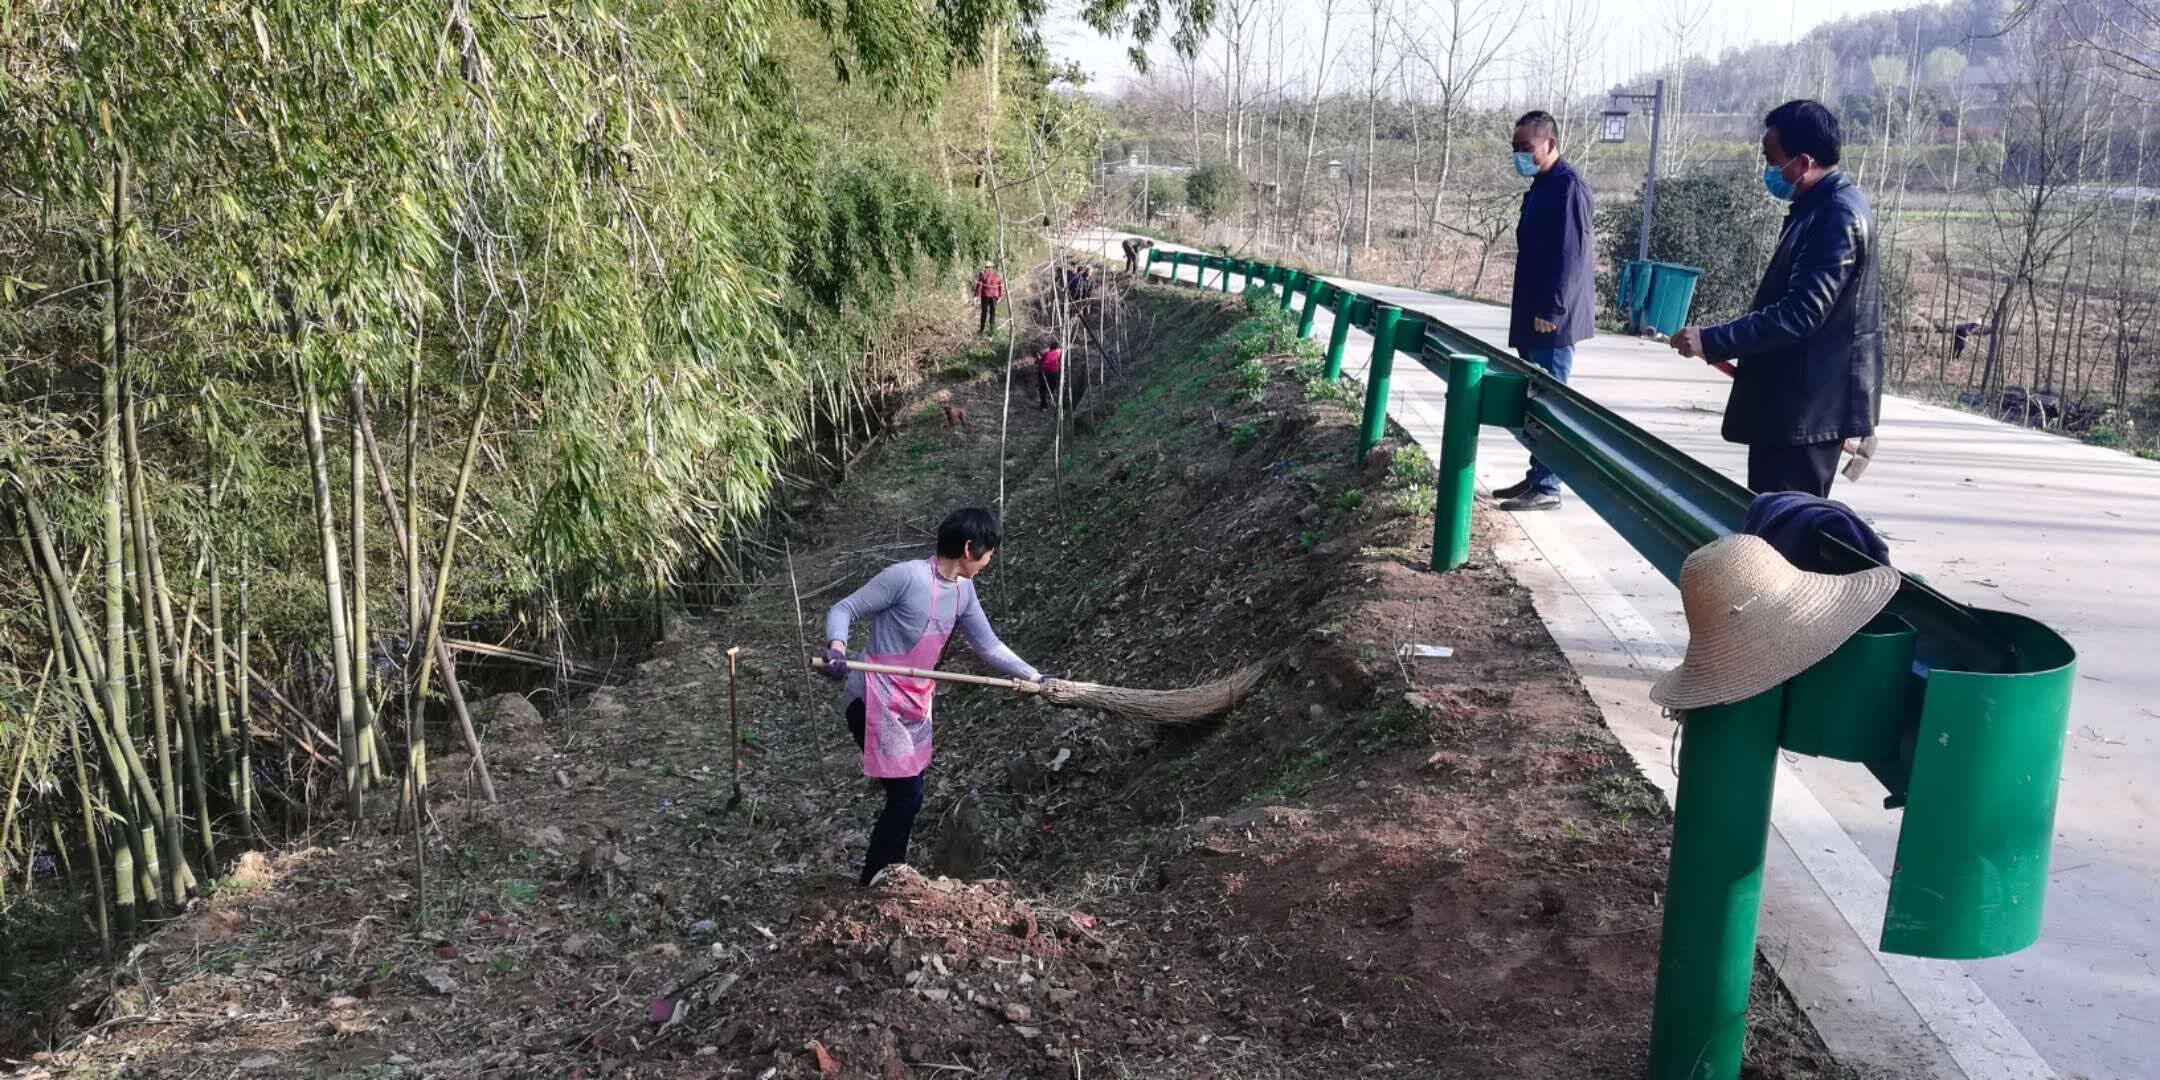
[(1713, 892), (1457, 479), (1376, 380), (1972, 855)]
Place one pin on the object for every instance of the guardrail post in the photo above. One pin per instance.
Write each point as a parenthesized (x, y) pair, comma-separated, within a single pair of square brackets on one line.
[(1314, 288), (1721, 824), (1289, 286), (1457, 478), (1148, 270), (1227, 263), (1376, 379), (1345, 301)]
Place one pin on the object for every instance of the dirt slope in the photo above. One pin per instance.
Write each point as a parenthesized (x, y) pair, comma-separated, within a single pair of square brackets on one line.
[(1377, 866)]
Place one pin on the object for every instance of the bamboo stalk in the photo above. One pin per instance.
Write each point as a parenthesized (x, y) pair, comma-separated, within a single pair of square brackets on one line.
[(28, 524), (409, 544), (241, 676), (153, 682), (447, 559), (417, 590), (356, 392), (334, 599), (83, 804), (220, 692)]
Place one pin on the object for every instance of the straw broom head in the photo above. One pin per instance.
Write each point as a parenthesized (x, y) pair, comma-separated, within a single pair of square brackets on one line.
[(1170, 707)]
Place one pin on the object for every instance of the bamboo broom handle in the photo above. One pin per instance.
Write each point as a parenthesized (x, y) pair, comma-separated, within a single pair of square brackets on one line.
[(943, 676)]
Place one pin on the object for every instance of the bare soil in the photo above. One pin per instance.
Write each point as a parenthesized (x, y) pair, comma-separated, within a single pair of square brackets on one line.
[(1377, 866)]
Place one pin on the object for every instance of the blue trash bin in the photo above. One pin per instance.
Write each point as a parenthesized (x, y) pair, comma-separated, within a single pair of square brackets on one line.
[(1671, 293), (1632, 291)]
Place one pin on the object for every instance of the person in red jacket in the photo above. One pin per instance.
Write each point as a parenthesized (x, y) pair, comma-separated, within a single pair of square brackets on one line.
[(1049, 370), (989, 288)]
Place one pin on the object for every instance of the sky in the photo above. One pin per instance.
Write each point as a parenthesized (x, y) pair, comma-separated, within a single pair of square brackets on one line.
[(1633, 31)]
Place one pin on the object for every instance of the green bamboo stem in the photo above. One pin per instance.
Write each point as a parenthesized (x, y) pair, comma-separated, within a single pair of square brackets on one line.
[(91, 841), (229, 748), (180, 635), (405, 529), (334, 598), (370, 738), (409, 543), (457, 508), (241, 692), (153, 682)]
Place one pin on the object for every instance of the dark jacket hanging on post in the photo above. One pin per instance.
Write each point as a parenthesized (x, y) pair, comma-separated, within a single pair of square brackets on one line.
[(1810, 346), (1555, 266)]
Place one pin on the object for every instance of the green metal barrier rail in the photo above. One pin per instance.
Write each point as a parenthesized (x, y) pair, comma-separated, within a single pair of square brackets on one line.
[(1959, 711)]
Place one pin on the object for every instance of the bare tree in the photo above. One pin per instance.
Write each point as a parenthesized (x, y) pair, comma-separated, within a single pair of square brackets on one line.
[(1462, 42), (2036, 213), (1323, 64)]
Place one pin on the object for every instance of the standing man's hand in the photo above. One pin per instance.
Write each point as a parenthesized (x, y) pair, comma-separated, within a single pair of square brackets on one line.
[(1543, 326), (1688, 342)]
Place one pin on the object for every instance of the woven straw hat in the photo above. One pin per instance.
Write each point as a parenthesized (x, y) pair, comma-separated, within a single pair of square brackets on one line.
[(1756, 620)]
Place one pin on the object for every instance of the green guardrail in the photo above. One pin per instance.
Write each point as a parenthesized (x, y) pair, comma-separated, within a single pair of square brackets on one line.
[(1959, 712)]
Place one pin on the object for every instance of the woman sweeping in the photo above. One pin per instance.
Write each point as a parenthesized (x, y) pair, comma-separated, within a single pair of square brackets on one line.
[(914, 607)]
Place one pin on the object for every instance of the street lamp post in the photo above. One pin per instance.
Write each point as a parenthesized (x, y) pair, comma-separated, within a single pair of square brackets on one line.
[(1616, 131)]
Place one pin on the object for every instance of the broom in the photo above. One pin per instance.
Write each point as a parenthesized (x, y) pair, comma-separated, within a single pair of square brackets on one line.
[(1167, 707)]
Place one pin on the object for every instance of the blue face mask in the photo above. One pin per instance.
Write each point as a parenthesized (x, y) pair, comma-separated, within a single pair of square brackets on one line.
[(1525, 163), (1773, 177)]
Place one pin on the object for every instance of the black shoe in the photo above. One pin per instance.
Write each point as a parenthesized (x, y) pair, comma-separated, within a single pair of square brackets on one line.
[(1512, 491), (1532, 500)]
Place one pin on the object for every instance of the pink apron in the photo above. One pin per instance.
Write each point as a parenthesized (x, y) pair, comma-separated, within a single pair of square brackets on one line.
[(896, 710)]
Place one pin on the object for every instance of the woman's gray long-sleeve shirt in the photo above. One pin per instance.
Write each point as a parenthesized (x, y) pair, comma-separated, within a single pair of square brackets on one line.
[(899, 601)]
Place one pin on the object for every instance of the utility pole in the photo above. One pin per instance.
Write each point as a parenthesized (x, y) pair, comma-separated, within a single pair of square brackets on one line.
[(1616, 131)]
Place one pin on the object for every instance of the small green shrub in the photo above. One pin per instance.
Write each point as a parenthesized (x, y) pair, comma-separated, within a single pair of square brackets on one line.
[(1253, 375), (1411, 467), (1350, 500), (1415, 501), (1246, 433), (2104, 436), (1308, 540)]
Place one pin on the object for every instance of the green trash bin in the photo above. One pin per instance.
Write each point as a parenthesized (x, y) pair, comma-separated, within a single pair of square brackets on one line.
[(1671, 294), (1631, 291)]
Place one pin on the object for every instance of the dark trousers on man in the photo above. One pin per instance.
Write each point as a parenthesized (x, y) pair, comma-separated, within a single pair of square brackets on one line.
[(1557, 361), (903, 799), (989, 316), (1047, 383), (1808, 468)]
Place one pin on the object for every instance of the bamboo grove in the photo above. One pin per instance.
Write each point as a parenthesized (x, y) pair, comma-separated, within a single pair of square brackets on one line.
[(328, 324)]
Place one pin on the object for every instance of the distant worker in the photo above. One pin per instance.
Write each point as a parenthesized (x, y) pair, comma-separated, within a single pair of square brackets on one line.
[(913, 607), (1133, 246), (1959, 336), (1554, 304), (989, 288), (1810, 347), (1049, 370)]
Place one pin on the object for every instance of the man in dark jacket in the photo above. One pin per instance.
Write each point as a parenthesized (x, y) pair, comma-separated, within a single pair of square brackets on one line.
[(1810, 348), (1554, 302)]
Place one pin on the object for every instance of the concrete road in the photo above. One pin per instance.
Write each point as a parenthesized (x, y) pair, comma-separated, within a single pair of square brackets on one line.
[(1995, 516)]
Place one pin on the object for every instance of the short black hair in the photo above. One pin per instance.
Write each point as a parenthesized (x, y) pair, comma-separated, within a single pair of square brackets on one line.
[(972, 527), (1542, 119), (1807, 127)]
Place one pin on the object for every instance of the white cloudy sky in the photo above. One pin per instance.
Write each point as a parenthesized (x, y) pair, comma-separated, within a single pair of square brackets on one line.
[(1634, 31)]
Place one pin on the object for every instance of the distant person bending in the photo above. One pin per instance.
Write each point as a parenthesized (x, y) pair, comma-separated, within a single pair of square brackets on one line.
[(989, 288), (1049, 372), (1133, 246), (1554, 304), (1810, 347), (913, 607)]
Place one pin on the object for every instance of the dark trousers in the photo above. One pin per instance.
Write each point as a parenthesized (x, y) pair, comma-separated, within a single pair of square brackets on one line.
[(989, 316), (1807, 468), (1557, 361), (1047, 383), (903, 799)]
